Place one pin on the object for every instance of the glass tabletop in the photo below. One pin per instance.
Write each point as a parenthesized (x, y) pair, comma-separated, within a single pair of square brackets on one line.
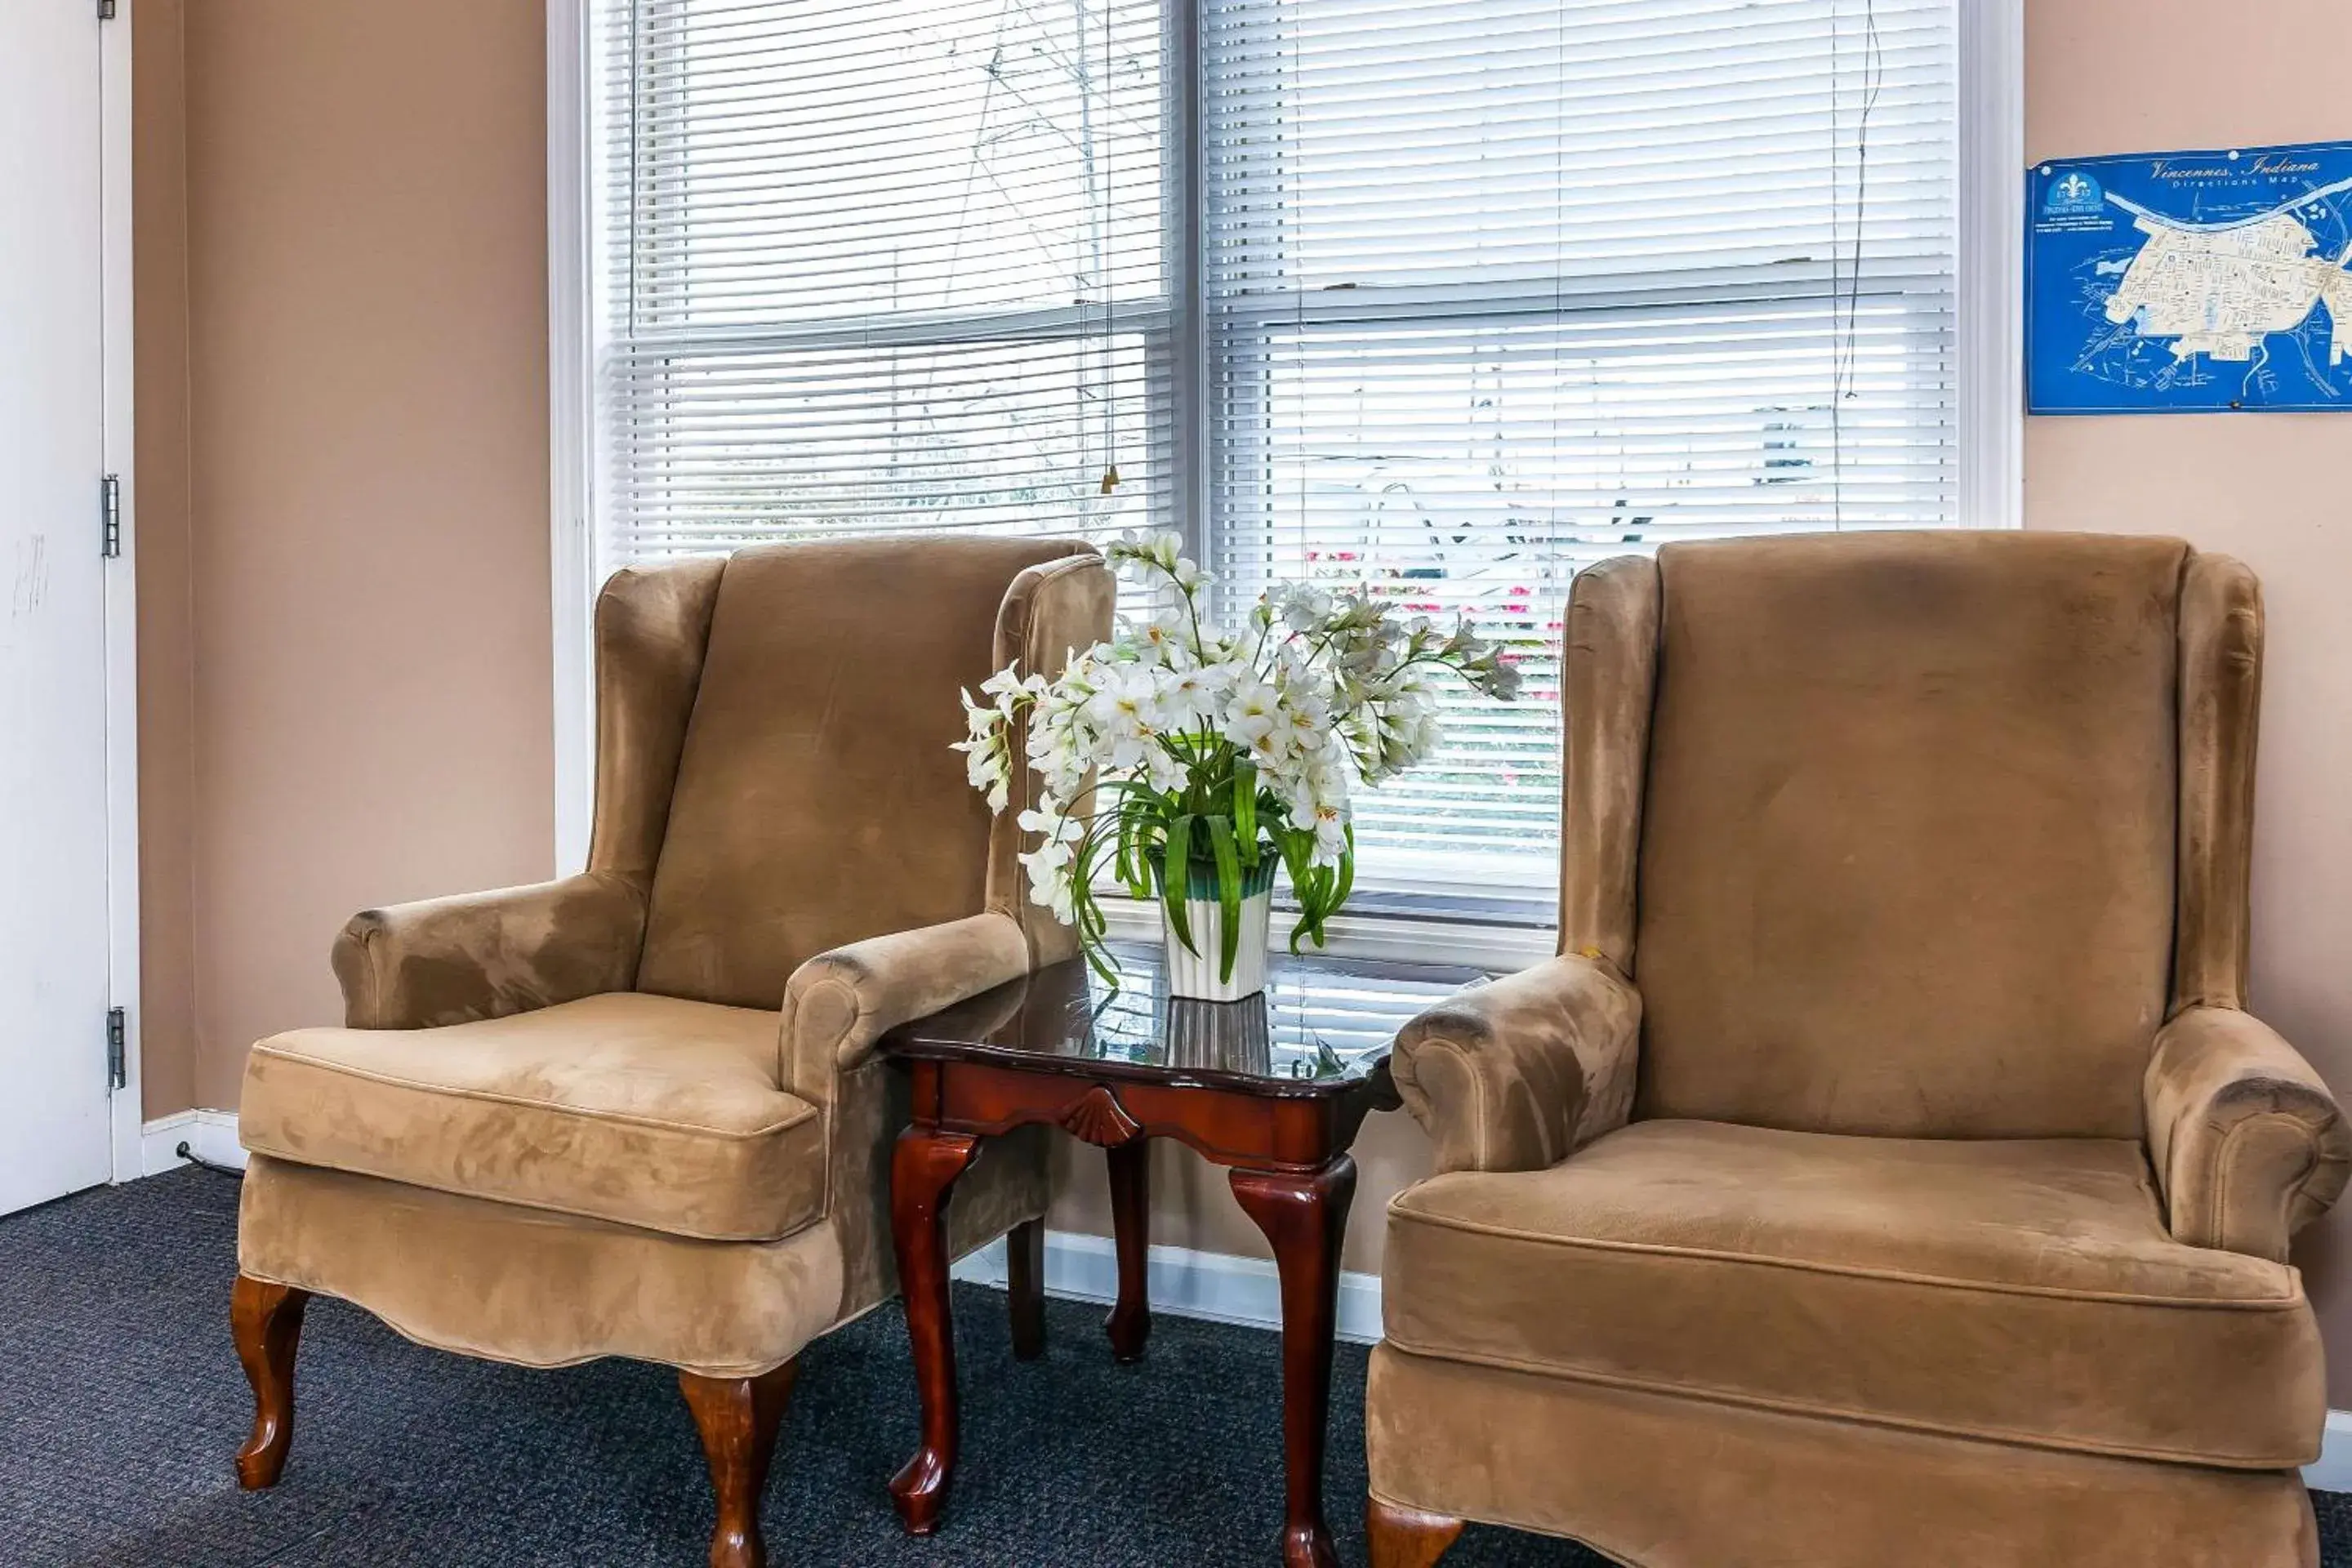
[(1321, 1024)]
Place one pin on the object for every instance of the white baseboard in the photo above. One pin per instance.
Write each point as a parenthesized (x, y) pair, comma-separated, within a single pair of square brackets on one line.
[(209, 1135), (2333, 1472), (1184, 1283)]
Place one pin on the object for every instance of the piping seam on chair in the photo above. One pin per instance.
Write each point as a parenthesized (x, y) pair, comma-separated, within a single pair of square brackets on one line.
[(552, 1106), (2219, 1204), (1891, 1276), (1865, 1418)]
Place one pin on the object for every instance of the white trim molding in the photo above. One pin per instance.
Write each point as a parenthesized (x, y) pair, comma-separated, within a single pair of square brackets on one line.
[(210, 1136), (1990, 347), (2332, 1472), (1215, 1285), (571, 409), (121, 587)]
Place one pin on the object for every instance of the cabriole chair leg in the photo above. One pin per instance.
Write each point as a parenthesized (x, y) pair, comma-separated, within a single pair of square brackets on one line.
[(1403, 1538), (267, 1321), (738, 1417)]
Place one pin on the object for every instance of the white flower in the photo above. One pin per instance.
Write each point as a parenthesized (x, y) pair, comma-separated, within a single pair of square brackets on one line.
[(1250, 714), (1330, 834), (987, 760), (1302, 609), (1126, 713), (1166, 638), (1052, 863), (1160, 550)]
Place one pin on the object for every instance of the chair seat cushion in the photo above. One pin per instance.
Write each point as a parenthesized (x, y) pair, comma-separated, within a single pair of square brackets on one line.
[(2020, 1290), (644, 1110)]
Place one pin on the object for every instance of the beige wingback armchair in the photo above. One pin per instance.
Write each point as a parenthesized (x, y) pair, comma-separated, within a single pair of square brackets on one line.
[(635, 1112), (1888, 1170)]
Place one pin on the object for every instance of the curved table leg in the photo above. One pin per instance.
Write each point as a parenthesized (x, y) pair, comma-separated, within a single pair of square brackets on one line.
[(1305, 1216), (923, 1166), (1130, 1323)]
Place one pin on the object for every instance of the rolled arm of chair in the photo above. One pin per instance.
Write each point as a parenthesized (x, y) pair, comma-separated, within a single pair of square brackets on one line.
[(485, 955), (1514, 1074), (2247, 1143), (839, 1002)]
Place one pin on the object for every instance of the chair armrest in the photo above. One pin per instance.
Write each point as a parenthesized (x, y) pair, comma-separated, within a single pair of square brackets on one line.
[(2247, 1141), (1514, 1074), (485, 955), (839, 1002)]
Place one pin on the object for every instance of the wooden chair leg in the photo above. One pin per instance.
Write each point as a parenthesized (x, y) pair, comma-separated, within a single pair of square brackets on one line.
[(1024, 1280), (1403, 1538), (738, 1417), (267, 1321)]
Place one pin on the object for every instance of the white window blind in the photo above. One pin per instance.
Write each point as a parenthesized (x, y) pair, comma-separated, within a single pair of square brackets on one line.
[(1500, 288), (1450, 297), (880, 264)]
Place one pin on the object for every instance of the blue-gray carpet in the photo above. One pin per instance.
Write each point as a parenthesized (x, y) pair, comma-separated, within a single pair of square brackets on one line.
[(120, 1402)]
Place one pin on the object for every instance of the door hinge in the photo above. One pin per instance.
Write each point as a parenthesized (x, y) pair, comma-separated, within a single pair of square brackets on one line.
[(118, 1065), (110, 516), (106, 10)]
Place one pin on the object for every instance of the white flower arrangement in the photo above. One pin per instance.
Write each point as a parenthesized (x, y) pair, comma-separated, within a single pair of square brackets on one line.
[(1211, 750)]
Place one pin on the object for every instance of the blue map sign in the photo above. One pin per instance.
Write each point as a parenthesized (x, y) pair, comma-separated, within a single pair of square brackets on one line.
[(2190, 282)]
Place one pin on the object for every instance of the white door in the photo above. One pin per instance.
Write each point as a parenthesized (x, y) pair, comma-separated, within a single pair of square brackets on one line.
[(53, 869)]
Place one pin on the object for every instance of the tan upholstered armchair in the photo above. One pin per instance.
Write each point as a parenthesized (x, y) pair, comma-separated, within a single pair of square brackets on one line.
[(1886, 1171), (635, 1112)]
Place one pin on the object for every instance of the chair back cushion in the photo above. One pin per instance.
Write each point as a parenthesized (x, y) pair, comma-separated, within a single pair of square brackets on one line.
[(1907, 842), (817, 802)]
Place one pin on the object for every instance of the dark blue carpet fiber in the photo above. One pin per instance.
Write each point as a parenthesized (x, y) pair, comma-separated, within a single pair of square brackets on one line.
[(120, 1402)]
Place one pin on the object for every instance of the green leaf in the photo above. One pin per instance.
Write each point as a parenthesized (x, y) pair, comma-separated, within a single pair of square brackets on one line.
[(1229, 892), (1246, 810), (1296, 846), (1347, 881), (1175, 871), (1128, 866)]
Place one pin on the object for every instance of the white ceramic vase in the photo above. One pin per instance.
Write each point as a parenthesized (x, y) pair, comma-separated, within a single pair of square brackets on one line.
[(1197, 971)]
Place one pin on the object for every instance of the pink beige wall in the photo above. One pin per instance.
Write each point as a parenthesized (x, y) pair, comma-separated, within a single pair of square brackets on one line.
[(2126, 76), (167, 706), (343, 524), (343, 410)]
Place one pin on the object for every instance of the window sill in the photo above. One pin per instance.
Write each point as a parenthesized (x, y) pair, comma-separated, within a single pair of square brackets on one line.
[(1431, 933)]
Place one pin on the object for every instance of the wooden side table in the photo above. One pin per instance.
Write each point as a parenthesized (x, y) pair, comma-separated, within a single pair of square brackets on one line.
[(1274, 1087)]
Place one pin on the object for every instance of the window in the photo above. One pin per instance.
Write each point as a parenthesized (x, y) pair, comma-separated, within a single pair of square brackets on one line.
[(881, 264), (1449, 297)]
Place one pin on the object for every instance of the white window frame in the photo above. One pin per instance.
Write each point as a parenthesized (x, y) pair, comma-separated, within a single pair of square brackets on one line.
[(1990, 371)]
